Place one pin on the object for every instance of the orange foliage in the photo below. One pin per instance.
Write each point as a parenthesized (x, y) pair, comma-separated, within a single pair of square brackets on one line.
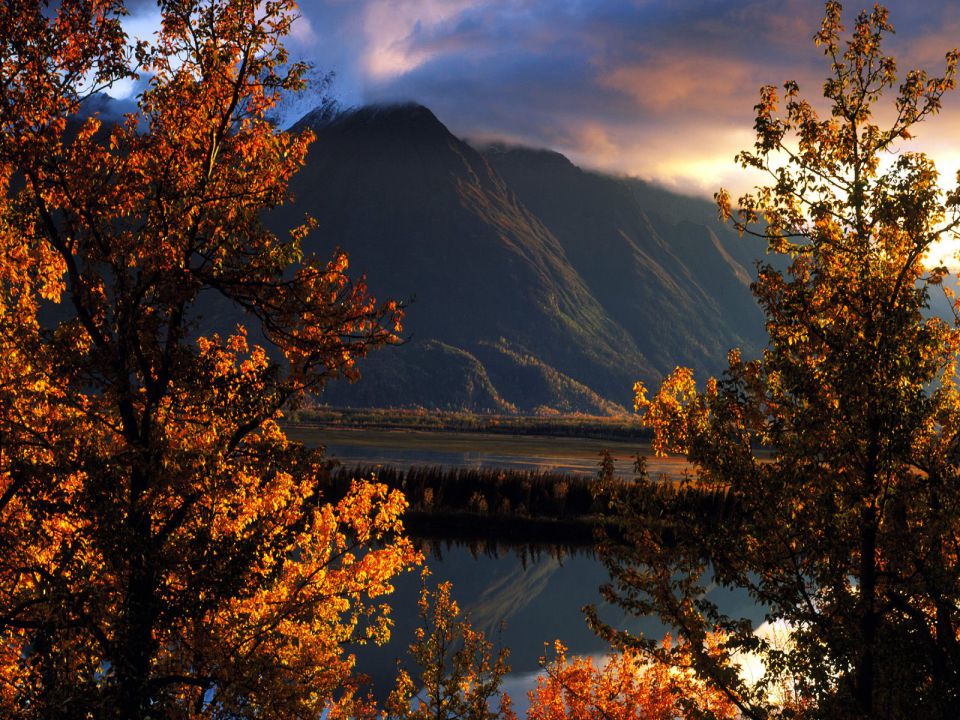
[(164, 550), (457, 675), (837, 448), (628, 687)]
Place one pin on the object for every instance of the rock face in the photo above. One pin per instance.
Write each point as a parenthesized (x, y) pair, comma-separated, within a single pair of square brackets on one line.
[(533, 285)]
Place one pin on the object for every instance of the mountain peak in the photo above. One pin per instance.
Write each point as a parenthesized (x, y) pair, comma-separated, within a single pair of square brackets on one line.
[(410, 112), (549, 159), (402, 118), (589, 291)]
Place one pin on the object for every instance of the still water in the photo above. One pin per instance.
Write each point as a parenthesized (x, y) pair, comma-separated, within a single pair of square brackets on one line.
[(522, 604)]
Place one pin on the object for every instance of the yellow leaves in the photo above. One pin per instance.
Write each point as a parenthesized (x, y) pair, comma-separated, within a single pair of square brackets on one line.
[(301, 231), (640, 401), (457, 671), (135, 460), (628, 686), (734, 358), (793, 335), (711, 389), (673, 413), (338, 265), (305, 598), (237, 343), (936, 277), (722, 199), (855, 399)]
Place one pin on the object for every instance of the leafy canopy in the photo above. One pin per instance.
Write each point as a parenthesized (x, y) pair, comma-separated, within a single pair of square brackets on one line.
[(839, 447), (164, 550)]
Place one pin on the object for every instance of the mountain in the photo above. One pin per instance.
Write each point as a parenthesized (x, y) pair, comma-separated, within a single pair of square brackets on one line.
[(534, 285), (667, 279)]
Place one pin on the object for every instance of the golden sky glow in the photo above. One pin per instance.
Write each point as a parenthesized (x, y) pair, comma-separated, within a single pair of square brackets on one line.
[(655, 89)]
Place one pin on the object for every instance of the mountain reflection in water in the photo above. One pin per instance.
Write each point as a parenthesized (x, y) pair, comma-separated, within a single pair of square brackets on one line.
[(522, 603), (523, 598)]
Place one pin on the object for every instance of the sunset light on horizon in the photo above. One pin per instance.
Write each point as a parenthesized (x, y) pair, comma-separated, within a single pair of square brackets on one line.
[(659, 91)]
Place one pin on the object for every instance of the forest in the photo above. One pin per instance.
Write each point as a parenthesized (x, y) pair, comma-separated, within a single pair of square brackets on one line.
[(167, 551)]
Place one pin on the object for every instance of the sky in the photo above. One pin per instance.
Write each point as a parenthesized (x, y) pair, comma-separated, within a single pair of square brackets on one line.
[(661, 90)]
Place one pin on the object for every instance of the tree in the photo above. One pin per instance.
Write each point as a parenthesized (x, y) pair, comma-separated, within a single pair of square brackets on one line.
[(164, 550), (626, 687), (457, 675), (839, 447), (453, 675)]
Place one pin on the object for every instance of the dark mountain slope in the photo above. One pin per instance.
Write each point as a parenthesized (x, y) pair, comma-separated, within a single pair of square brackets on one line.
[(667, 209), (537, 285), (674, 287), (428, 373), (425, 217)]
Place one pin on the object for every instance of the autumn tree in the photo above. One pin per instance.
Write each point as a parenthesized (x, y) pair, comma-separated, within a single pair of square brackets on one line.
[(452, 673), (839, 447), (455, 674), (624, 686), (165, 551)]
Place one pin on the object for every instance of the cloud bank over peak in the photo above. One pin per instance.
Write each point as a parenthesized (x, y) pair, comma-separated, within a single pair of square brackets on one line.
[(663, 91)]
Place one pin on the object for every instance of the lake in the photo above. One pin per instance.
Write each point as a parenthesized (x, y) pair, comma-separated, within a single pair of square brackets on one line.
[(522, 603)]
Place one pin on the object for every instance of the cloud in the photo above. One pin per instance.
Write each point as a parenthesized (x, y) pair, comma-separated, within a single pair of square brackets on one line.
[(674, 81), (609, 82), (660, 90), (391, 31)]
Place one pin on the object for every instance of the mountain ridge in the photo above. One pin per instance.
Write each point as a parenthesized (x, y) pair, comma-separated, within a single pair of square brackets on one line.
[(531, 275)]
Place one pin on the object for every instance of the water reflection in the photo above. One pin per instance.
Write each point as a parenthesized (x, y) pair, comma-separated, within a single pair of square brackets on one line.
[(523, 600), (523, 603)]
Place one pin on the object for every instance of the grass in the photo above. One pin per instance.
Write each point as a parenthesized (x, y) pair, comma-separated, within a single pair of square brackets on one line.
[(622, 427)]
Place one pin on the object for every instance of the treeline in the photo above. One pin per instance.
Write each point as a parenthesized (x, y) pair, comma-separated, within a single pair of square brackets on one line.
[(486, 507), (596, 427)]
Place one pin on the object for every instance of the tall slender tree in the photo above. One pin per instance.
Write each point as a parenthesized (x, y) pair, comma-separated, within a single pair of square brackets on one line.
[(165, 551), (839, 447)]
